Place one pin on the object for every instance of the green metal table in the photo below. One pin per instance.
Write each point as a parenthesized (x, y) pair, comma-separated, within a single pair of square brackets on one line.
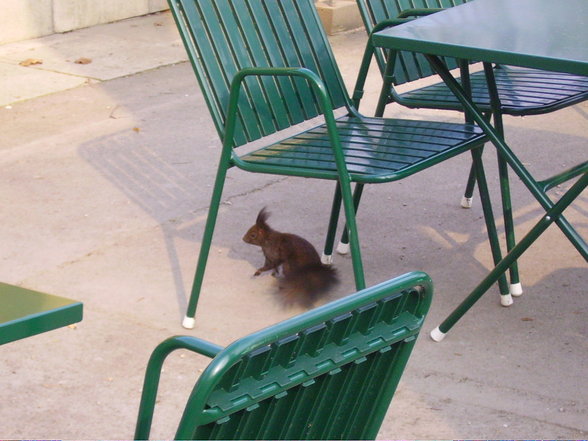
[(540, 34), (24, 313)]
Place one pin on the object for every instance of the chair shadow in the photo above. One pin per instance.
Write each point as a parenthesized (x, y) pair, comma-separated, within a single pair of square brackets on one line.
[(160, 180), (165, 179)]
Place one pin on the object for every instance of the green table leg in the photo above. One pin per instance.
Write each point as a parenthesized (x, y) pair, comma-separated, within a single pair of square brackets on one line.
[(550, 217)]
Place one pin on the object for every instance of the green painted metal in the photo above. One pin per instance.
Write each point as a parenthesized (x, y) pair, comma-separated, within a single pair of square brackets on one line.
[(24, 313), (264, 66), (467, 34), (513, 161), (477, 169), (562, 177), (410, 66), (518, 91), (502, 169), (535, 47), (329, 373), (554, 211), (554, 214), (522, 91)]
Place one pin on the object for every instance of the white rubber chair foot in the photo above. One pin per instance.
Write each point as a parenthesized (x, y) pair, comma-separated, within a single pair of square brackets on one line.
[(437, 335), (466, 202), (343, 248), (327, 259), (516, 289), (188, 322), (506, 300)]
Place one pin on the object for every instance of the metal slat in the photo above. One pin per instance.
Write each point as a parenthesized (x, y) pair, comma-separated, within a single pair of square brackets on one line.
[(321, 52), (367, 395), (259, 57), (294, 424), (321, 407), (241, 49), (223, 67), (521, 91), (278, 408), (346, 397), (232, 53), (276, 58), (283, 36)]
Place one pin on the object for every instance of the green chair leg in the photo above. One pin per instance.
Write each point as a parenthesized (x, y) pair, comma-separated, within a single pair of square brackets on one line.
[(343, 246), (466, 201), (351, 227), (490, 222), (515, 285), (327, 257), (516, 289), (217, 192)]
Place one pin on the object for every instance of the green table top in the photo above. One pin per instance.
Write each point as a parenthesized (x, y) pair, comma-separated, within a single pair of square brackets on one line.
[(542, 34), (24, 312)]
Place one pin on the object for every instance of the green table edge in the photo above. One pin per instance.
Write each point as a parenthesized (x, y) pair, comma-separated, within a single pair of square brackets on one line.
[(68, 313)]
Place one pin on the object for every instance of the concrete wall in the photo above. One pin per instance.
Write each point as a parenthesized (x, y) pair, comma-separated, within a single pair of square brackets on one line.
[(25, 19)]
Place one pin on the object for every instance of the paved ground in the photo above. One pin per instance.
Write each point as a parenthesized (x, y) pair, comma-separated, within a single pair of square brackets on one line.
[(106, 172)]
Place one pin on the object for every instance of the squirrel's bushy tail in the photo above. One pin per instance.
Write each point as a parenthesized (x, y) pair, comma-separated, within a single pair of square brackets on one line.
[(308, 284)]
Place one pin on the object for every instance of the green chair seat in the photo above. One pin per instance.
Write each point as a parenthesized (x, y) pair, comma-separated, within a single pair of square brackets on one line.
[(522, 92), (375, 149)]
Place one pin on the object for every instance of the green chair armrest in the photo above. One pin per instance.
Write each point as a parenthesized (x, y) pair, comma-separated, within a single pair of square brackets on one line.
[(153, 374), (317, 85)]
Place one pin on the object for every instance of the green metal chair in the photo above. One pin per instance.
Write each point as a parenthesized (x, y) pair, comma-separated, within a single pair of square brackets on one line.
[(521, 91), (264, 67), (329, 373)]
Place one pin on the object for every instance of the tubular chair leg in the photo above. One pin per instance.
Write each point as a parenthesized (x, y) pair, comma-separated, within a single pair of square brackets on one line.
[(515, 285), (327, 257), (351, 227), (188, 321), (468, 196), (516, 288), (343, 247), (505, 297), (466, 200)]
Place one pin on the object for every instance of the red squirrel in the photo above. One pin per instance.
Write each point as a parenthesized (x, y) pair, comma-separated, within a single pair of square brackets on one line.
[(305, 278)]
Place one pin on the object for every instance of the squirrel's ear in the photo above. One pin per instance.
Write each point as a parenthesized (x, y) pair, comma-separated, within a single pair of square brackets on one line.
[(262, 218)]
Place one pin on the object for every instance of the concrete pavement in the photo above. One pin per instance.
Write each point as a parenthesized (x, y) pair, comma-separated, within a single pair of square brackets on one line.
[(106, 172)]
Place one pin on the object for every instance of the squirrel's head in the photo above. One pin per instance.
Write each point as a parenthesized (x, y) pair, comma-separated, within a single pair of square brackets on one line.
[(257, 234)]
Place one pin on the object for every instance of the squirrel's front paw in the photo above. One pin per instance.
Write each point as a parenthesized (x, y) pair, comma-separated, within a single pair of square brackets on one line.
[(257, 273)]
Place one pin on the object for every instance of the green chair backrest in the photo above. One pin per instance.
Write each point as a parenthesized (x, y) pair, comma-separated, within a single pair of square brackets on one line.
[(329, 373), (409, 66), (224, 36)]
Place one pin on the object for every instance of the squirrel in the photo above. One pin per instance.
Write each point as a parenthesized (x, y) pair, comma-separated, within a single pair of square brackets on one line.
[(305, 277)]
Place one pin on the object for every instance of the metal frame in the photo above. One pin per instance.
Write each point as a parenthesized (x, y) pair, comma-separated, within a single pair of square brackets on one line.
[(271, 57), (538, 96), (329, 373), (499, 52)]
